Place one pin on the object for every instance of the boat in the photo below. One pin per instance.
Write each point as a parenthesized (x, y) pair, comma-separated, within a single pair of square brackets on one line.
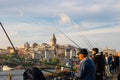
[(19, 67), (6, 68)]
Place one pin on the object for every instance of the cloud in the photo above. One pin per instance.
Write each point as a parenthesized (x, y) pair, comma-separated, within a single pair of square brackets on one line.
[(95, 10), (22, 32), (76, 26), (35, 21), (21, 13), (64, 18), (102, 37)]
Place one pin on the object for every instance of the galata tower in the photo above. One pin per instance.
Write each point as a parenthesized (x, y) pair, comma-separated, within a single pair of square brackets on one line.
[(53, 41)]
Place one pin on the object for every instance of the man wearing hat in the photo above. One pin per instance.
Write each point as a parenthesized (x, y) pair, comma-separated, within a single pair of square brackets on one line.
[(87, 68)]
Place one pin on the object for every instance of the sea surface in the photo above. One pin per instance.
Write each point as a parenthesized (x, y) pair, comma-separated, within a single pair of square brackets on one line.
[(16, 75)]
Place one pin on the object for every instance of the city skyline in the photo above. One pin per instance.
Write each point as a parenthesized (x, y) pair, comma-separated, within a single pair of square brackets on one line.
[(36, 21)]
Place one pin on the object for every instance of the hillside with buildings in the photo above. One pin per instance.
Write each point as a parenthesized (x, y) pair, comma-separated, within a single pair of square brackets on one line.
[(45, 51)]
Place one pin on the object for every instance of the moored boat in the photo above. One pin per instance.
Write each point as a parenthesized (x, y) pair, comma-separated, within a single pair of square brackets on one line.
[(6, 68)]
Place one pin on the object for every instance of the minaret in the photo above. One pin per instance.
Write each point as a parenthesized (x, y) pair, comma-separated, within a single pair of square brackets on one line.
[(53, 41)]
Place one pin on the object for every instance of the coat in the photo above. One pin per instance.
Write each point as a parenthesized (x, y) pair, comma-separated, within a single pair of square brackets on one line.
[(87, 70)]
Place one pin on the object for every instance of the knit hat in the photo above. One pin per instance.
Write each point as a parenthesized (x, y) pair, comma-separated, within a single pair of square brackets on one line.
[(83, 51)]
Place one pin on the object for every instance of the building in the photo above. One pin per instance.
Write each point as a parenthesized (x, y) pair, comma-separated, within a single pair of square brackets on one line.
[(36, 55), (49, 54), (110, 51)]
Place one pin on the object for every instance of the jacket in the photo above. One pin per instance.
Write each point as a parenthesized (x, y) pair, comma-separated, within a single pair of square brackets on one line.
[(99, 62), (87, 70)]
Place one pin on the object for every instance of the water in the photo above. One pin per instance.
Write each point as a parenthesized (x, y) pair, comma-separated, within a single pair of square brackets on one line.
[(16, 75)]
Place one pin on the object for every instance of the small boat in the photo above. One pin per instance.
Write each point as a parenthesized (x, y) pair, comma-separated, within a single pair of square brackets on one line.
[(18, 67), (6, 68)]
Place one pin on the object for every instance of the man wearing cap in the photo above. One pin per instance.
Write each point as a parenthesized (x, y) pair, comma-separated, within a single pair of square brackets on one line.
[(87, 68)]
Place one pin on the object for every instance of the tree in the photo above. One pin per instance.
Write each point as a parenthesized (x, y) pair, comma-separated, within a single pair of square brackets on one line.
[(54, 60)]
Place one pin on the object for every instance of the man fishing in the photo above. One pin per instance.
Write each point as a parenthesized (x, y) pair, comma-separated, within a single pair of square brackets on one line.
[(87, 68)]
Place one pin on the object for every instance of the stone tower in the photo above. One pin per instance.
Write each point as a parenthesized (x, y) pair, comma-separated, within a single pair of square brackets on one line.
[(53, 41)]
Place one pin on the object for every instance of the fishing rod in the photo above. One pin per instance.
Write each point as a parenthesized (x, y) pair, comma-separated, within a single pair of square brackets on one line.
[(68, 38), (85, 41), (13, 46), (17, 52), (98, 46), (88, 40), (48, 63)]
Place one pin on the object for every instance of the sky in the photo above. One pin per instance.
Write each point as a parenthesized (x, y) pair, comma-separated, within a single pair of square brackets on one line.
[(97, 21)]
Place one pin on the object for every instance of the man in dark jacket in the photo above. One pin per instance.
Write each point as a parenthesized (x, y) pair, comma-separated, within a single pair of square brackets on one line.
[(99, 62)]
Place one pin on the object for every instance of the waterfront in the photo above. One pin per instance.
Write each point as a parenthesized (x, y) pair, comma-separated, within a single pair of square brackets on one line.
[(16, 75)]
